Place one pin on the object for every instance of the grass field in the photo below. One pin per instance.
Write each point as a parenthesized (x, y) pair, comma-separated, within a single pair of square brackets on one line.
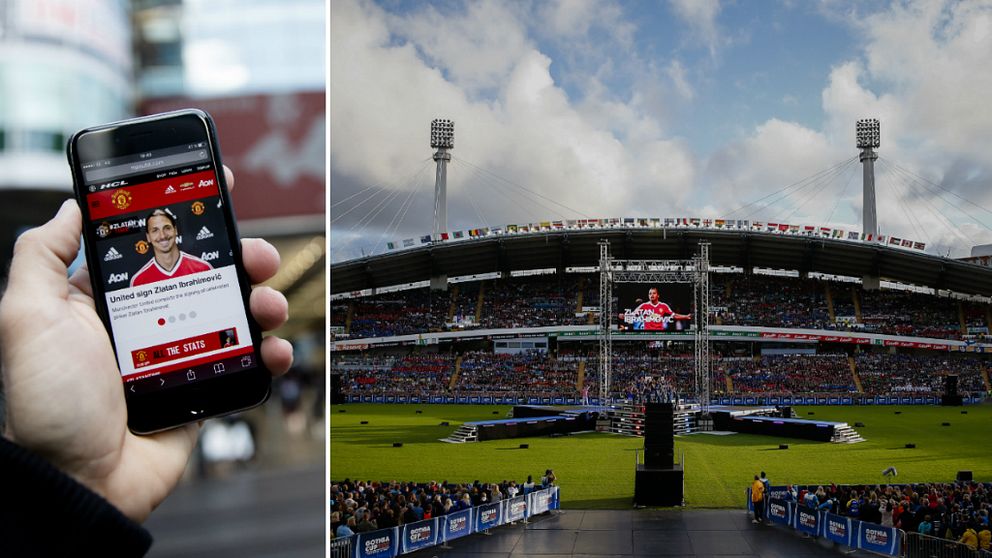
[(596, 471)]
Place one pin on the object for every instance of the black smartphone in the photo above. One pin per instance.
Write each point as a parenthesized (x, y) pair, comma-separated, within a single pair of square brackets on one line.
[(164, 258)]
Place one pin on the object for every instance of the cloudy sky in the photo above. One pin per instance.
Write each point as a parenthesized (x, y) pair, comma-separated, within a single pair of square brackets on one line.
[(697, 108)]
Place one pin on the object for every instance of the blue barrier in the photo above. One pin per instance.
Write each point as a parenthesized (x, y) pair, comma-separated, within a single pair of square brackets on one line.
[(837, 528), (876, 538), (456, 525), (377, 544), (780, 511), (488, 516), (516, 509), (807, 520), (784, 400), (419, 535), (394, 541)]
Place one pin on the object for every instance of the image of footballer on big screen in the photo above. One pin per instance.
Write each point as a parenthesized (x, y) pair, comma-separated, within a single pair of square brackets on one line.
[(654, 306), (168, 270)]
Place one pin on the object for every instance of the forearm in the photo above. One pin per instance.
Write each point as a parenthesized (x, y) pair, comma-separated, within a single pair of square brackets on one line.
[(47, 513)]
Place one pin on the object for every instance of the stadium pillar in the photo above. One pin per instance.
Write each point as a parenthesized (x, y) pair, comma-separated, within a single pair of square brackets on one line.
[(868, 137), (439, 283)]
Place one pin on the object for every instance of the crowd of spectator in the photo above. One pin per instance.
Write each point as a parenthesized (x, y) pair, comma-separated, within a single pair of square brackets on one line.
[(736, 299), (639, 374), (761, 300), (957, 511), (917, 374), (909, 314), (420, 374), (531, 301), (820, 373), (363, 506)]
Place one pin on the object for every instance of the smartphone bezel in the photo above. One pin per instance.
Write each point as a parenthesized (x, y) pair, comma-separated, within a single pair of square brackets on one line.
[(201, 399)]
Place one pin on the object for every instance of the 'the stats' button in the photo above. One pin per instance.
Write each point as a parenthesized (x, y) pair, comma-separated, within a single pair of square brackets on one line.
[(184, 347)]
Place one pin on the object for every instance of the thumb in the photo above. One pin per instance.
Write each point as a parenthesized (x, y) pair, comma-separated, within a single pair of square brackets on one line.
[(42, 255)]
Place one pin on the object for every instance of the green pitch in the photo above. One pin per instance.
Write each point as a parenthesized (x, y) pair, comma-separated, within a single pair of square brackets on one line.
[(597, 470)]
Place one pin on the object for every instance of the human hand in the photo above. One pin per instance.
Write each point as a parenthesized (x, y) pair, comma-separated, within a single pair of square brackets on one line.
[(64, 395)]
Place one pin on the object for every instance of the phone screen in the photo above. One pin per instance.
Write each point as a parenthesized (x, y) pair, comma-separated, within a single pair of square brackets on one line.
[(163, 255)]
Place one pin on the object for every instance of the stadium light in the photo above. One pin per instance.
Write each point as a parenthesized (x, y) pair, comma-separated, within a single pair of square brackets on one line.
[(442, 139), (442, 133), (868, 133)]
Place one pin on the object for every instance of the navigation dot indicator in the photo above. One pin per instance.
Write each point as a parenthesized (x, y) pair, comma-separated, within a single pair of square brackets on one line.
[(161, 321)]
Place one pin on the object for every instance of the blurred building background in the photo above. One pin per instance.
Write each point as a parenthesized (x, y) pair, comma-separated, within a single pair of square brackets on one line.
[(258, 67)]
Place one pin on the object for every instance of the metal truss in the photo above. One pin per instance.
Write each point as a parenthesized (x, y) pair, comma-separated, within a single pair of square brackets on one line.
[(694, 271)]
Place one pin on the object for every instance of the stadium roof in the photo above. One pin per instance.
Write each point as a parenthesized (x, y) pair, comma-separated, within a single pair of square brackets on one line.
[(578, 248)]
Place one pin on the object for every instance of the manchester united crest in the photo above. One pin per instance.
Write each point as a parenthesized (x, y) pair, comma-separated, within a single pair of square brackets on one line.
[(198, 208), (141, 247), (142, 356), (121, 199)]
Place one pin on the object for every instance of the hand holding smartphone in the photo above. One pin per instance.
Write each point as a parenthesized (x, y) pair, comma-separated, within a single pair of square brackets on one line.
[(166, 268), (62, 382)]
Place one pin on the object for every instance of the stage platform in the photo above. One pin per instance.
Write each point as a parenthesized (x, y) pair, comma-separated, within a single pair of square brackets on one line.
[(564, 421), (818, 430)]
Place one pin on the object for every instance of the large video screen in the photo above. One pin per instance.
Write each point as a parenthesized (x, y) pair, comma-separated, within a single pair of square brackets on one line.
[(654, 306)]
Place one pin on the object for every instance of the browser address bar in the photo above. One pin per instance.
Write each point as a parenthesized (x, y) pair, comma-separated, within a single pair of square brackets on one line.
[(139, 167)]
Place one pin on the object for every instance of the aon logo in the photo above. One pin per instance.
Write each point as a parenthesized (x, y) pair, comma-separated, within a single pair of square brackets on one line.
[(210, 256), (117, 277)]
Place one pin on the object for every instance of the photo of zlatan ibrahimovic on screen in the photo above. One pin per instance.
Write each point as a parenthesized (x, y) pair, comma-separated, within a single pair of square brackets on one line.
[(168, 261), (653, 315)]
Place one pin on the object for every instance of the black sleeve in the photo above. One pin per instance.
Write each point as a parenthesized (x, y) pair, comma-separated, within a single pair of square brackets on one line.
[(44, 512)]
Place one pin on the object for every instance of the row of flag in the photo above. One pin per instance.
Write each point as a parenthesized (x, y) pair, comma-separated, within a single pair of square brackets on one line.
[(657, 222)]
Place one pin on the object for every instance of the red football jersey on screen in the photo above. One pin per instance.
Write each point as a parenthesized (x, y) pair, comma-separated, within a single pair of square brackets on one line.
[(657, 314), (151, 272)]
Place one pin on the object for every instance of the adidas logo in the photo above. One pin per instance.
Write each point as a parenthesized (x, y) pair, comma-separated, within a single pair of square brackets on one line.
[(112, 254), (204, 234), (170, 190)]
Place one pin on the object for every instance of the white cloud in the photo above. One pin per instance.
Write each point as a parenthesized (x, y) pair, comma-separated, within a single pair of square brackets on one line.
[(928, 62), (607, 151), (676, 72), (700, 16), (777, 154), (601, 156), (475, 47)]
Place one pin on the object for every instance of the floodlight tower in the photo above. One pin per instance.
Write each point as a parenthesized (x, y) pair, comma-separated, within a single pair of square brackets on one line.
[(442, 139), (868, 133)]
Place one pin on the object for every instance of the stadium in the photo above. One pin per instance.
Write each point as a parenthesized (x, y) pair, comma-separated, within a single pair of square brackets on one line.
[(851, 367)]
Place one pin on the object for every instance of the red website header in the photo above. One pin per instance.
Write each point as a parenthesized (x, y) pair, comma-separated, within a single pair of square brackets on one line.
[(150, 195)]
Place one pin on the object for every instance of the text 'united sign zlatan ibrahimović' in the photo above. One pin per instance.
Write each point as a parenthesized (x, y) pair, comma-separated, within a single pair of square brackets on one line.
[(166, 263)]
